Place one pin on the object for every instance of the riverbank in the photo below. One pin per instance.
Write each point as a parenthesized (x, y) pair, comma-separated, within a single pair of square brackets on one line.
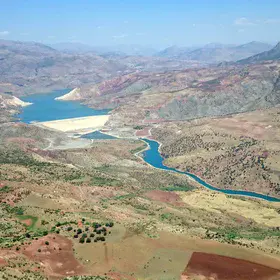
[(154, 158)]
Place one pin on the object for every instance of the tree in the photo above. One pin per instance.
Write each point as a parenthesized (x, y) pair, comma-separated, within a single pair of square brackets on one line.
[(88, 240), (82, 240), (79, 231), (69, 228), (47, 243)]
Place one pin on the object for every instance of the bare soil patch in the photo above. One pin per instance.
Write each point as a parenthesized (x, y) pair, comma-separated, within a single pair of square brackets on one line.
[(143, 132), (27, 222), (217, 267), (166, 197), (55, 254)]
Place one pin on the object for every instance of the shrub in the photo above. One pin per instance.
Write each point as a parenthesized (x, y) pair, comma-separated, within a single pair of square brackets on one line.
[(84, 235), (76, 236), (88, 240), (79, 231), (82, 240), (92, 235), (47, 243), (27, 235), (39, 250), (69, 228)]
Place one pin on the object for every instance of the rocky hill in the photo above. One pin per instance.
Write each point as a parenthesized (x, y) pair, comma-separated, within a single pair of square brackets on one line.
[(184, 95), (273, 54), (9, 105), (32, 67), (215, 53)]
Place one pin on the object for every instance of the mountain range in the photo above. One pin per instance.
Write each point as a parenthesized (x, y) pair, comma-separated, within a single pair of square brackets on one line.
[(215, 53), (272, 54), (28, 67), (132, 50)]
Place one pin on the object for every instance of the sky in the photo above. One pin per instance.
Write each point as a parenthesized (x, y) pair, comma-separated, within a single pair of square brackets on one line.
[(156, 23)]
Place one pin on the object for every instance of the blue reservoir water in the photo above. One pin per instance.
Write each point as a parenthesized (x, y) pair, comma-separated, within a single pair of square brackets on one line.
[(154, 158), (97, 135), (46, 108)]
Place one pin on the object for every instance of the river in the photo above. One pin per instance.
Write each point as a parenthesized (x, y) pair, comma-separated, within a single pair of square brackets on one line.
[(46, 108), (153, 157)]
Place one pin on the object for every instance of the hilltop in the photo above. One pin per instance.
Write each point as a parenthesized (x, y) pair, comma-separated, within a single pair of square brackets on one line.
[(32, 67), (273, 54), (215, 53)]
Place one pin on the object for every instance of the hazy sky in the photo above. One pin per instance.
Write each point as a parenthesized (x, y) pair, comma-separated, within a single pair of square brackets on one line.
[(157, 23)]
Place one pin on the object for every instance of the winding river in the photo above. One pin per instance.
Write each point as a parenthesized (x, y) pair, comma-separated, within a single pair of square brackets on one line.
[(153, 157), (45, 108)]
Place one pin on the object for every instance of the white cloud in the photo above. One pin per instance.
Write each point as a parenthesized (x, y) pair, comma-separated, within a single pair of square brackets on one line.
[(243, 22), (4, 33), (120, 36)]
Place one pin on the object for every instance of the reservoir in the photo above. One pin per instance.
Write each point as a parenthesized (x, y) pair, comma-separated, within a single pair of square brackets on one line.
[(46, 108)]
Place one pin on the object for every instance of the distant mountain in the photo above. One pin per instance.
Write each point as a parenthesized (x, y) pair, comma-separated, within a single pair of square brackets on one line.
[(28, 67), (273, 54), (254, 46), (73, 47), (101, 50), (32, 67), (27, 48), (215, 52), (174, 51)]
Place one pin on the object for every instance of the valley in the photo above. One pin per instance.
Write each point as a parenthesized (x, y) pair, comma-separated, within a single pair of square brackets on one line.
[(86, 191)]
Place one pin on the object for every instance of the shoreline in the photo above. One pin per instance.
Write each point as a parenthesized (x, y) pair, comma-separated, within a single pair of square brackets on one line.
[(81, 124), (274, 199), (215, 189)]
